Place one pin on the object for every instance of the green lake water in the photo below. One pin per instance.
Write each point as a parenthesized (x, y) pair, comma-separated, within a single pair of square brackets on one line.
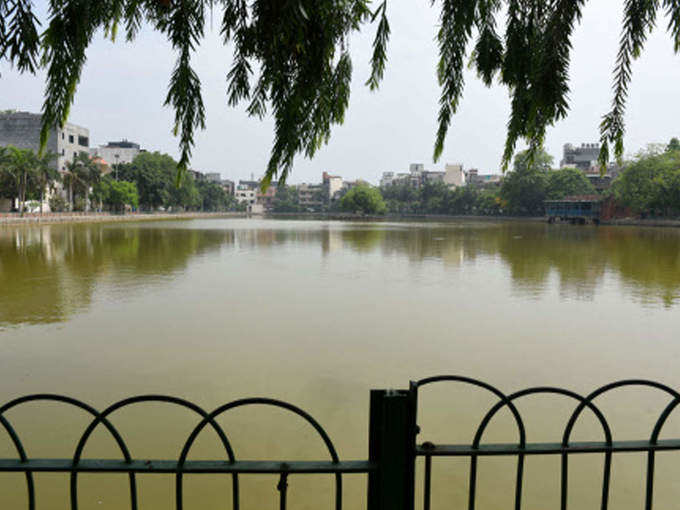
[(317, 313)]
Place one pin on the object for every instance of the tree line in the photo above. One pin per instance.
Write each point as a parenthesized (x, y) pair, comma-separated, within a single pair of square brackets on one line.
[(154, 175), (648, 185), (148, 184)]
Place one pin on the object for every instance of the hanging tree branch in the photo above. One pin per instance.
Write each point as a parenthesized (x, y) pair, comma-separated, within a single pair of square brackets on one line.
[(299, 49)]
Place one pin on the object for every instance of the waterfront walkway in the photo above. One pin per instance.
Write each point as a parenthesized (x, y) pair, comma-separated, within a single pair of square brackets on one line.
[(95, 217)]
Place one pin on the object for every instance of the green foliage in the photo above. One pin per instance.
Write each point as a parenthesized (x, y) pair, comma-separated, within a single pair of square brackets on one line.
[(79, 204), (184, 196), (300, 51), (121, 194), (526, 187), (363, 199), (19, 168), (286, 200), (214, 198), (568, 181), (115, 195), (80, 175), (673, 145), (154, 175), (651, 184), (437, 198)]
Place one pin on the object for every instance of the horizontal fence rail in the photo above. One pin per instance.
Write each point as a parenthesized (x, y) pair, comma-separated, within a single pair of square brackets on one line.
[(563, 448)]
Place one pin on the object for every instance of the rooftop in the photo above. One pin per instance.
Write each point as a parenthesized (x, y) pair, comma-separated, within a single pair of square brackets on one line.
[(578, 198)]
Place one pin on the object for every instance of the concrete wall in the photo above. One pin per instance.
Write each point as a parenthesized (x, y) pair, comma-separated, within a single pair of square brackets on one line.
[(22, 129)]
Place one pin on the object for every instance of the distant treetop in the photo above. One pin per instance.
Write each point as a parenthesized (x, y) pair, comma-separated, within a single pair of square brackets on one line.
[(300, 53)]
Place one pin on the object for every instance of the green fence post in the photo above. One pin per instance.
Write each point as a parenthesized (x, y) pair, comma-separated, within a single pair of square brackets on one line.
[(391, 447)]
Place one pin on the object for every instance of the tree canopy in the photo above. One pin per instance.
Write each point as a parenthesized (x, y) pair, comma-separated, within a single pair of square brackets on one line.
[(650, 184), (363, 199), (293, 58)]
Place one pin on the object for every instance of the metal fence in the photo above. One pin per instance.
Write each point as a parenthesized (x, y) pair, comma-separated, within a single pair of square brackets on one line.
[(179, 467), (393, 449), (563, 448)]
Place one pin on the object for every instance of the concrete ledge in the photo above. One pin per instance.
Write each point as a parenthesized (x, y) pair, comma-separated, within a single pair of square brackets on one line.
[(33, 218)]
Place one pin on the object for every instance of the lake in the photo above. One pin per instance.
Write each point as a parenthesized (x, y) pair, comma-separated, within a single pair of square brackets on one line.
[(317, 313)]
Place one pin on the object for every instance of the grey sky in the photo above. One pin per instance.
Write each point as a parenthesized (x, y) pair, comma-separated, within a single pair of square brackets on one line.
[(123, 86)]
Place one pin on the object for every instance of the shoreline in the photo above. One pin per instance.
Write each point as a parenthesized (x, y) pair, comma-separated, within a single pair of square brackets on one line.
[(51, 218), (620, 222), (56, 218), (396, 217)]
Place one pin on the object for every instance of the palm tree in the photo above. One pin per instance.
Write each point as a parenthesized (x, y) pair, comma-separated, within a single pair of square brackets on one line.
[(46, 174), (81, 173), (20, 165)]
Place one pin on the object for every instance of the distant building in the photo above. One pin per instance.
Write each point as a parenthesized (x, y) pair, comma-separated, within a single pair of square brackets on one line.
[(198, 176), (332, 185), (575, 209), (228, 186), (215, 177), (584, 157), (454, 175), (245, 194), (266, 198), (22, 130), (430, 177), (250, 184), (117, 152), (604, 181), (474, 178), (310, 196), (387, 179)]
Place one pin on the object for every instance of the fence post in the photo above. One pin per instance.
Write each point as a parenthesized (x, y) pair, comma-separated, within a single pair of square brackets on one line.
[(391, 445)]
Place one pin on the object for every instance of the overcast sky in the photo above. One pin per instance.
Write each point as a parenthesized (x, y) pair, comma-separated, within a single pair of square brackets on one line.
[(123, 86)]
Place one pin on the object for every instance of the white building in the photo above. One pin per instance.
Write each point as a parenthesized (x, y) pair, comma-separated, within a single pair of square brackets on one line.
[(387, 179), (332, 184), (245, 194), (117, 152), (454, 175)]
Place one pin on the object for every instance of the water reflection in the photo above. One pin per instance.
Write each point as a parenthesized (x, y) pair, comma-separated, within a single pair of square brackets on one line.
[(645, 261), (49, 273)]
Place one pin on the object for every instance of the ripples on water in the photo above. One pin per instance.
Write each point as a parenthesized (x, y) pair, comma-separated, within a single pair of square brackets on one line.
[(318, 313)]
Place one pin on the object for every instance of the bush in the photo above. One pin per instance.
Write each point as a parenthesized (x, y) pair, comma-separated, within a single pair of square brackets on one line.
[(79, 204), (57, 203), (363, 199)]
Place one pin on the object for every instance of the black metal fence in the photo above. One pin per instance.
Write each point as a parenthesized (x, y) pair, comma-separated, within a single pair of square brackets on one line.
[(564, 448), (393, 449)]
